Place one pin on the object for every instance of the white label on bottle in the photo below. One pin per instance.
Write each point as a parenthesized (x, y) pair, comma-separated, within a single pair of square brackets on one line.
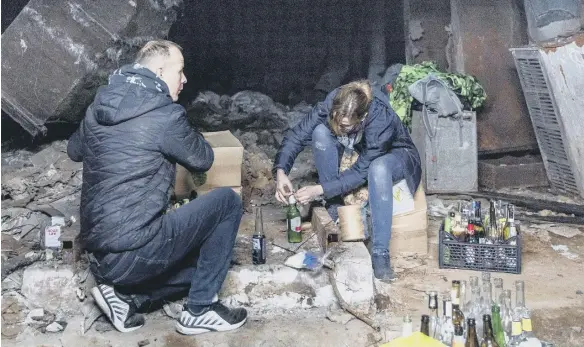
[(52, 235), (296, 224), (454, 297), (448, 308), (257, 244)]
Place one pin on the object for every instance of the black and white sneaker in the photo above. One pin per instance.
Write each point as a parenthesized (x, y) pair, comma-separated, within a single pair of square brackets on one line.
[(121, 312), (216, 317)]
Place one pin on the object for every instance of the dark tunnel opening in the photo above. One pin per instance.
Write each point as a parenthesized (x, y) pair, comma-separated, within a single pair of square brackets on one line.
[(287, 50)]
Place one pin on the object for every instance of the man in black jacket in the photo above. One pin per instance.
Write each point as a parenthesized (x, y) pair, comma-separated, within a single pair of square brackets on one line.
[(132, 136)]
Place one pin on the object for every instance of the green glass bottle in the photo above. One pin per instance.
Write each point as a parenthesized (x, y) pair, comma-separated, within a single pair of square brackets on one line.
[(293, 221), (498, 331)]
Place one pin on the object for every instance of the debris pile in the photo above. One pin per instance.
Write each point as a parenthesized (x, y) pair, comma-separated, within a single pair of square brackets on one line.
[(260, 124), (34, 185)]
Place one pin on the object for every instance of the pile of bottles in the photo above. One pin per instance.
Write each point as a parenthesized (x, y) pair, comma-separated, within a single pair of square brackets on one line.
[(487, 316), (468, 225)]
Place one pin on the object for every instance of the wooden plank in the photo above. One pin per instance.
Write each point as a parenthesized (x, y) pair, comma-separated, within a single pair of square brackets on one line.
[(323, 225)]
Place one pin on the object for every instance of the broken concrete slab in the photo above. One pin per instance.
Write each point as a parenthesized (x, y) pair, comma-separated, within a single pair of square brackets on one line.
[(54, 327), (36, 314), (353, 270), (276, 287), (567, 231), (47, 156), (52, 287), (55, 55), (354, 275)]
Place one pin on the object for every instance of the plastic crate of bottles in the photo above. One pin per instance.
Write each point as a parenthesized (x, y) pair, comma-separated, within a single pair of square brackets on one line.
[(501, 255)]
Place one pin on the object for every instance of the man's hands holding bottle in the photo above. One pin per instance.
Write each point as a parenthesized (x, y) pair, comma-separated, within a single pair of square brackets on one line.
[(284, 189)]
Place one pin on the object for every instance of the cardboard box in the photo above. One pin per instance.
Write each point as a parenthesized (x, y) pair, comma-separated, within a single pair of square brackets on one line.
[(409, 232), (226, 168), (403, 200)]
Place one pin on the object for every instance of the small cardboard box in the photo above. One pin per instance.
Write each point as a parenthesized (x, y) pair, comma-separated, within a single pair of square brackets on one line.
[(409, 232), (226, 168), (403, 200)]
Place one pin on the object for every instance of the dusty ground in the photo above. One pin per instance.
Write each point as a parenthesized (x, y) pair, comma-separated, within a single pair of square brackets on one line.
[(554, 284)]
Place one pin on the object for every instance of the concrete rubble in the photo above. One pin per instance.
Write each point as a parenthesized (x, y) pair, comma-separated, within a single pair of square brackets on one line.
[(259, 123)]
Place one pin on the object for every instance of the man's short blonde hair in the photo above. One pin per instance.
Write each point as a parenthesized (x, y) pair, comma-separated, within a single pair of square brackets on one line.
[(155, 48)]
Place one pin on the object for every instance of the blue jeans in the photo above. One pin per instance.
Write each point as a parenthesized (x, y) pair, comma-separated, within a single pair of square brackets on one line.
[(383, 173), (191, 253)]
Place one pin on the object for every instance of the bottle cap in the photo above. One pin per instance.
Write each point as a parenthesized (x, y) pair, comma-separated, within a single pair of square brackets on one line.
[(291, 199)]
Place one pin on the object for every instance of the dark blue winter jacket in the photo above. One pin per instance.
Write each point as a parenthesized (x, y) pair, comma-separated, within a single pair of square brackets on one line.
[(129, 141), (383, 133)]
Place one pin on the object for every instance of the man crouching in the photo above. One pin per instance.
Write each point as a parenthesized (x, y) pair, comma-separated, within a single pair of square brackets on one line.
[(132, 136)]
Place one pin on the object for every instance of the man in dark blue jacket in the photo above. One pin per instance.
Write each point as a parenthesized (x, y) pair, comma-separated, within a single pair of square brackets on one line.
[(130, 140)]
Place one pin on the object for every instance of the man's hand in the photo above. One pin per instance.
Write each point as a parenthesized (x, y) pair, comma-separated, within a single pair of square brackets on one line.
[(307, 194), (283, 187)]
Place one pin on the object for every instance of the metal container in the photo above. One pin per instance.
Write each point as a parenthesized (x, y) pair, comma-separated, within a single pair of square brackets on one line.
[(448, 151)]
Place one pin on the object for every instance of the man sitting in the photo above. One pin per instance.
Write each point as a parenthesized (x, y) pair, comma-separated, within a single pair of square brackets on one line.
[(132, 136)]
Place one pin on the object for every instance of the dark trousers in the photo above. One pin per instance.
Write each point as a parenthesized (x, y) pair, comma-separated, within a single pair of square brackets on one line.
[(191, 253)]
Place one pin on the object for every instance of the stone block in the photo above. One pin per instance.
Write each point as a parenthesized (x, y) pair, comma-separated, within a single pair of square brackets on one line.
[(354, 275), (353, 271), (55, 54), (512, 172), (276, 287), (51, 287)]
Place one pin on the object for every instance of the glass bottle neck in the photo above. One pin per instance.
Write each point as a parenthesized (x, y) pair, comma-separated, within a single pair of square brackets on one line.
[(447, 308), (488, 329), (455, 295), (520, 296), (488, 295), (507, 303), (472, 332), (475, 295)]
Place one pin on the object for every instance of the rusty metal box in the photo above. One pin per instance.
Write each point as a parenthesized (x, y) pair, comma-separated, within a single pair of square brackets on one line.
[(448, 151)]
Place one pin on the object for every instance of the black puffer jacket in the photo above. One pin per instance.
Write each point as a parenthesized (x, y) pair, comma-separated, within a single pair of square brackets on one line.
[(129, 142)]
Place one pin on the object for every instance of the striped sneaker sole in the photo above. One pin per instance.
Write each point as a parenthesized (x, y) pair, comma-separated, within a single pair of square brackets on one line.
[(114, 308), (208, 322)]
